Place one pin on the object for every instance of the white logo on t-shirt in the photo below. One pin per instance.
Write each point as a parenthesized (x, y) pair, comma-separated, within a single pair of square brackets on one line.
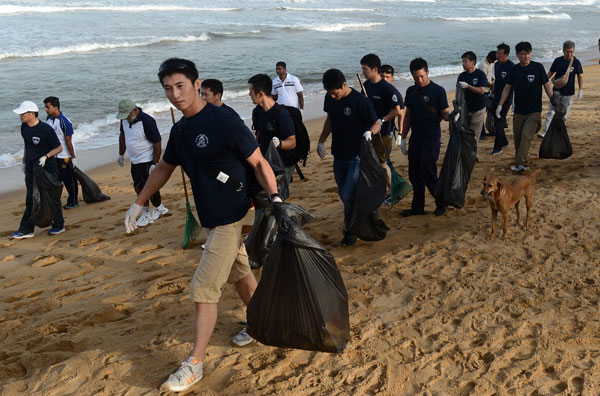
[(503, 74), (530, 78), (35, 140), (347, 111), (572, 68), (394, 98), (475, 81), (271, 126), (426, 99), (201, 141)]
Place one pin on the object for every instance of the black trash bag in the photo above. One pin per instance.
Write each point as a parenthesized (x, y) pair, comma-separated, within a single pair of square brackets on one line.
[(301, 301), (47, 190), (90, 190), (459, 160), (556, 143), (365, 221)]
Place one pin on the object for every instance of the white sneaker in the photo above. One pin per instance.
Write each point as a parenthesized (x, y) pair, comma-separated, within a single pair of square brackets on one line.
[(144, 220), (158, 211), (188, 374), (242, 338)]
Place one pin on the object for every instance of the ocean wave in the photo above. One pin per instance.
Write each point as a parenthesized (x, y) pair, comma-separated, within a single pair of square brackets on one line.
[(508, 18), (402, 1), (87, 47), (11, 159), (14, 9), (435, 71), (337, 27), (565, 3), (326, 9)]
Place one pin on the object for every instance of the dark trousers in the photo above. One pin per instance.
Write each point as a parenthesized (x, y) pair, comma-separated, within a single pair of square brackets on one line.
[(346, 177), (422, 170), (65, 174), (139, 174), (26, 226), (501, 140)]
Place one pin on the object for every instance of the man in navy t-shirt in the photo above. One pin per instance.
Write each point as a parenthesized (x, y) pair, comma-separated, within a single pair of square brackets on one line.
[(214, 149), (502, 67), (527, 78), (41, 147), (387, 106), (426, 105), (565, 95), (473, 81), (211, 91), (273, 122), (350, 118)]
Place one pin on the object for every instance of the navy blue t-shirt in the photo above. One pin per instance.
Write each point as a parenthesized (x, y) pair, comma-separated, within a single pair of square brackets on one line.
[(527, 84), (350, 117), (268, 128), (229, 109), (501, 71), (425, 124), (559, 66), (474, 101), (39, 140), (384, 97), (212, 137)]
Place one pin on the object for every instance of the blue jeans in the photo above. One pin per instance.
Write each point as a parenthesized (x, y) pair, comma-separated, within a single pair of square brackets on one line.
[(346, 177)]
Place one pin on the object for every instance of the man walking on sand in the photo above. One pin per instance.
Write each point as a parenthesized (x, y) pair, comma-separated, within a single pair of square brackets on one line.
[(286, 88), (502, 67), (215, 150), (473, 81), (528, 78), (140, 137)]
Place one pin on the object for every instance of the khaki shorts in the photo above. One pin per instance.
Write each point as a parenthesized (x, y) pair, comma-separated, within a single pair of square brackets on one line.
[(224, 260), (382, 149)]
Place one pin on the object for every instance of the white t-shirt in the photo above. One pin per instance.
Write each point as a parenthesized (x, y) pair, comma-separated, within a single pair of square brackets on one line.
[(139, 148), (488, 69), (287, 91)]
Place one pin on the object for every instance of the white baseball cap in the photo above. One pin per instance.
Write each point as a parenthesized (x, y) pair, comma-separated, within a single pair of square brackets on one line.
[(26, 107)]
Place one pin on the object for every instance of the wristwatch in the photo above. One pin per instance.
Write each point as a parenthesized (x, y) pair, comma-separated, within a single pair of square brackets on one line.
[(382, 121)]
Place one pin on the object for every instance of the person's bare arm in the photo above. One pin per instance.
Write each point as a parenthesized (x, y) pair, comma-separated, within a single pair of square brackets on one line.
[(263, 172), (548, 89), (301, 100), (400, 121), (326, 130), (157, 152), (445, 114), (406, 124), (69, 142), (289, 143), (505, 93), (580, 81), (122, 146)]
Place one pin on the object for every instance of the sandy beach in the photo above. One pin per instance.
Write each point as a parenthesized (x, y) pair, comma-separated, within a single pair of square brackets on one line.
[(435, 308)]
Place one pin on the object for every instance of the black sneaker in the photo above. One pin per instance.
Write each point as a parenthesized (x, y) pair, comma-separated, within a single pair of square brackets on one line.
[(410, 212), (349, 239), (440, 210)]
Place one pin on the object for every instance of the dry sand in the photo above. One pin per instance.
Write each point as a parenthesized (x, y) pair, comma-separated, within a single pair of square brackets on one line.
[(435, 308)]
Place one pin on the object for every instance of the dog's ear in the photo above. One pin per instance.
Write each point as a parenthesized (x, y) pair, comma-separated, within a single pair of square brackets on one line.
[(499, 184), (485, 179)]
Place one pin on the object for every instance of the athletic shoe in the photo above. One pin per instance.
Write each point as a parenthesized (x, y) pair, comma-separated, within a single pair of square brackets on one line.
[(496, 151), (541, 134), (158, 211), (20, 235), (188, 374), (388, 201), (144, 220), (242, 338), (70, 206), (440, 210), (518, 168), (349, 239), (56, 230)]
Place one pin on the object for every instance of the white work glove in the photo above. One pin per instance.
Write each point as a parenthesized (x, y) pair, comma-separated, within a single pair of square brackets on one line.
[(151, 169), (463, 84), (131, 216), (403, 146), (580, 95), (321, 150), (23, 167), (498, 111), (277, 199), (456, 117), (367, 135), (120, 160), (276, 141), (42, 160), (74, 162), (398, 140)]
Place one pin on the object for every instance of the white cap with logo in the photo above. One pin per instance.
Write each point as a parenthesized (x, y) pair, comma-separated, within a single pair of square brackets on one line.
[(26, 107)]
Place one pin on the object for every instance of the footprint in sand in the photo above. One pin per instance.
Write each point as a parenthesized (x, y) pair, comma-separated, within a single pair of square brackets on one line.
[(44, 261), (89, 241)]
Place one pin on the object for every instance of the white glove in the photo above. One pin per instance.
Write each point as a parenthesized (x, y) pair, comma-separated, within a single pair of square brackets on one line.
[(277, 199), (74, 162), (403, 146), (456, 117), (398, 140), (42, 160), (151, 169), (120, 160), (321, 150), (367, 135), (131, 216), (463, 84), (580, 95), (23, 167), (498, 111), (276, 141)]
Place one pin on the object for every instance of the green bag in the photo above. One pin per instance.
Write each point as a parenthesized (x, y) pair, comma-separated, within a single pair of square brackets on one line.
[(400, 187)]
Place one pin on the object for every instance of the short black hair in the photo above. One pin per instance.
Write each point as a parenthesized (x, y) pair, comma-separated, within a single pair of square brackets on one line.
[(523, 46), (491, 55), (261, 83), (178, 65), (388, 69), (215, 86), (53, 100), (333, 79), (470, 55), (504, 47), (282, 64), (418, 64), (372, 61)]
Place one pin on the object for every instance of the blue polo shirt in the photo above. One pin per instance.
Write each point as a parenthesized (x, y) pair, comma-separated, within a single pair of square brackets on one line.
[(39, 140), (475, 102), (527, 84), (213, 138), (384, 97), (559, 66), (350, 117), (424, 122), (501, 71), (268, 128)]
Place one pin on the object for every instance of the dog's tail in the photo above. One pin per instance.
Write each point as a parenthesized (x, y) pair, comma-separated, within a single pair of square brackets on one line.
[(532, 174)]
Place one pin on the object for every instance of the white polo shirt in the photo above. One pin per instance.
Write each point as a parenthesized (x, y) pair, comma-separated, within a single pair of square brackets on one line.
[(287, 91), (62, 127)]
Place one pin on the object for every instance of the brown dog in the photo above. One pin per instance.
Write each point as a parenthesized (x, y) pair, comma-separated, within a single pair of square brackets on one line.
[(502, 197)]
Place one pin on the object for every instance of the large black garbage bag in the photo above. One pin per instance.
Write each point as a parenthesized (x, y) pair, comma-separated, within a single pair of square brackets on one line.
[(365, 221), (90, 190), (459, 161), (556, 143), (301, 301), (46, 197)]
